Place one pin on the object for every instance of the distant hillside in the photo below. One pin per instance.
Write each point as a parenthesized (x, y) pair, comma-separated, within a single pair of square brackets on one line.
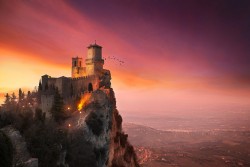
[(156, 148)]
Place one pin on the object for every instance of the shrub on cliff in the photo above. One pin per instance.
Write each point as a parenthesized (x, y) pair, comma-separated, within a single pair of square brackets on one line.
[(57, 111), (118, 119), (44, 142), (6, 151), (80, 152)]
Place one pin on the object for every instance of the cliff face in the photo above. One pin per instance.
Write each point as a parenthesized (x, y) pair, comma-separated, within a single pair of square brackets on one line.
[(21, 156), (102, 127), (89, 137)]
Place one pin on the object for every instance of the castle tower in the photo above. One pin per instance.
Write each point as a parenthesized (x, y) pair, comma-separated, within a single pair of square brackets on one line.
[(77, 69), (94, 61)]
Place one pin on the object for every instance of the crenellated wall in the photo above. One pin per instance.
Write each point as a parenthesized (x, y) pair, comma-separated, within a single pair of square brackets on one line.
[(67, 85), (80, 85), (81, 77)]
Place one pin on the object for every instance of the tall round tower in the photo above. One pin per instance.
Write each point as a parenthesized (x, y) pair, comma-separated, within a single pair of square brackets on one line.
[(94, 61)]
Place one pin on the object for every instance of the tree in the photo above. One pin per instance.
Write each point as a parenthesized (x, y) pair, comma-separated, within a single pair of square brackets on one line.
[(39, 116), (6, 151), (13, 97), (20, 94), (29, 98), (10, 102), (7, 98), (40, 86), (57, 111), (29, 94)]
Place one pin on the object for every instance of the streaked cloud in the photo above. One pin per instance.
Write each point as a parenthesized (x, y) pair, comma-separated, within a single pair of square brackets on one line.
[(165, 45)]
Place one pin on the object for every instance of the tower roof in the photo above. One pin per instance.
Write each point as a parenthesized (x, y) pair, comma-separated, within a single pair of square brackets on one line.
[(94, 46)]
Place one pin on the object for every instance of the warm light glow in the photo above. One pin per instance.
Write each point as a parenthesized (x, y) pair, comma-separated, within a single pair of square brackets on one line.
[(69, 125), (68, 108), (170, 59), (83, 101)]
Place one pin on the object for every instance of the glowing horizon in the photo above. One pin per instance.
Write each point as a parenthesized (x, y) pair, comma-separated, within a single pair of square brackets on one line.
[(181, 58)]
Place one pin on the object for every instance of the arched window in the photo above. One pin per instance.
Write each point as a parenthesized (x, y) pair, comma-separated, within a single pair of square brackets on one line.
[(90, 87)]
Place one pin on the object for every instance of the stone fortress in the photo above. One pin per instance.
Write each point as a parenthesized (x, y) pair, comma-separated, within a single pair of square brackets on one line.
[(82, 78)]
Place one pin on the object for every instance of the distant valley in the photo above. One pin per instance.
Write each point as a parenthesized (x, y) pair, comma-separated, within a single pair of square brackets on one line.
[(189, 148)]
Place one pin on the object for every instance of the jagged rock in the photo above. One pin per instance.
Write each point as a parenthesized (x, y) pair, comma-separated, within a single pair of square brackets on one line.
[(61, 161), (32, 162), (103, 129), (21, 154)]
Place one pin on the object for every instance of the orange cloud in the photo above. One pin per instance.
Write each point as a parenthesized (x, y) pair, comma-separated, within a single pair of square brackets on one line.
[(39, 37)]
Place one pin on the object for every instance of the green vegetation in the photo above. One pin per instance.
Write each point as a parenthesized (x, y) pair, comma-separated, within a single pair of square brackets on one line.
[(118, 119), (6, 151), (45, 142), (80, 152), (44, 138), (58, 112)]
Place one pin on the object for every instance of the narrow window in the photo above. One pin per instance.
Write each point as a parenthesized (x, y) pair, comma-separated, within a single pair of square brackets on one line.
[(90, 87), (75, 64)]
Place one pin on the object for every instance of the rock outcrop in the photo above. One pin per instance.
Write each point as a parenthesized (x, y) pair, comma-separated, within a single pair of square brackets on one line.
[(21, 156), (102, 127)]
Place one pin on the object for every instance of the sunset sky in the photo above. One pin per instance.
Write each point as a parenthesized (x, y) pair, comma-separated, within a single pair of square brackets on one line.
[(178, 54)]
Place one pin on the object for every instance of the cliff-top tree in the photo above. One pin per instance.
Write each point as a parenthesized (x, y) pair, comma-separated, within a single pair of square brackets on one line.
[(6, 151), (13, 97), (20, 95), (40, 86), (57, 111), (7, 98)]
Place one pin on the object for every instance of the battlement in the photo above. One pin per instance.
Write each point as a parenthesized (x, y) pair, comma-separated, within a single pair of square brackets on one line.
[(94, 63), (93, 75), (83, 77)]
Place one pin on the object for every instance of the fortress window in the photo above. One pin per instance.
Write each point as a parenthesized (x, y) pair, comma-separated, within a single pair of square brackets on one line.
[(90, 87), (80, 64), (75, 63)]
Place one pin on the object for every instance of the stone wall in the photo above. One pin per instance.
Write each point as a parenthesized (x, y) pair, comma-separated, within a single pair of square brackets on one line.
[(21, 155), (46, 104), (77, 72), (80, 85)]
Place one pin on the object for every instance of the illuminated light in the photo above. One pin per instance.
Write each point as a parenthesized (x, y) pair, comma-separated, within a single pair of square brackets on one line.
[(69, 125), (23, 106), (80, 112), (83, 101), (68, 108)]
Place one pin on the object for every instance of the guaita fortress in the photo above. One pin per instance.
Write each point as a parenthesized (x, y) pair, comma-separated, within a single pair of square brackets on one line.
[(92, 76)]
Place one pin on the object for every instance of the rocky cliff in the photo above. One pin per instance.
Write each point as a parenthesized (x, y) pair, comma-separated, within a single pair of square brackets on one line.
[(21, 156), (101, 124), (92, 136)]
